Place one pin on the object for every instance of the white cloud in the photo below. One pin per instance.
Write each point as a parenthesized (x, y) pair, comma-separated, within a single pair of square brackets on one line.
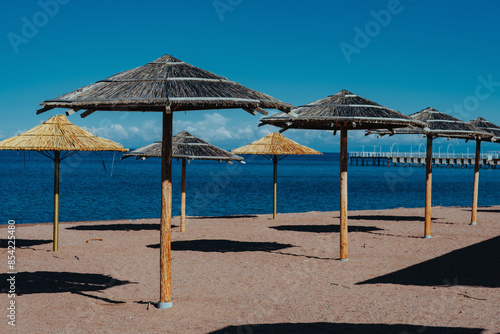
[(119, 130), (215, 128), (222, 133), (246, 133), (152, 128), (215, 118), (146, 132), (134, 130)]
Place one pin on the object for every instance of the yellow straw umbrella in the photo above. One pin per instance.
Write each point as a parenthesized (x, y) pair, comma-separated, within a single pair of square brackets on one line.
[(275, 147), (62, 137)]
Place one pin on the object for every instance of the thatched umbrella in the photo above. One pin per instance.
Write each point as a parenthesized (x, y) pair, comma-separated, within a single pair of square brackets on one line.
[(275, 147), (494, 129), (165, 85), (343, 111), (442, 125), (187, 147), (63, 138), (484, 125)]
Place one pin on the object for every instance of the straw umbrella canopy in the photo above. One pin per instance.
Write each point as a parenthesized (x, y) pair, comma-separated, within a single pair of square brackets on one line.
[(343, 111), (443, 125), (275, 147), (63, 138), (484, 125), (165, 85), (187, 147)]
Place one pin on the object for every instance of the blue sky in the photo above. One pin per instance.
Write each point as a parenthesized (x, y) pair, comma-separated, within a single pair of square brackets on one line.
[(406, 55)]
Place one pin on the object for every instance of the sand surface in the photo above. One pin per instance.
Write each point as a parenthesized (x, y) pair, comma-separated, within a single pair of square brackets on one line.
[(253, 274)]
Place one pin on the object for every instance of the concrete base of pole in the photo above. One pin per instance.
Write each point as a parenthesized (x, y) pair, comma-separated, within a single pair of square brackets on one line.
[(474, 223), (343, 260), (427, 237), (161, 305)]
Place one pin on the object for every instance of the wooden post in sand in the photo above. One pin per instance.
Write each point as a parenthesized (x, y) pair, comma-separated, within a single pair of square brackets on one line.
[(166, 212), (57, 160), (428, 187), (275, 184), (344, 255), (473, 220), (183, 196)]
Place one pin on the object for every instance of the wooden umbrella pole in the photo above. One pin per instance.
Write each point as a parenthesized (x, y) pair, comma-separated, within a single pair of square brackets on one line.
[(183, 196), (344, 255), (275, 184), (428, 188), (166, 212), (57, 160), (476, 183)]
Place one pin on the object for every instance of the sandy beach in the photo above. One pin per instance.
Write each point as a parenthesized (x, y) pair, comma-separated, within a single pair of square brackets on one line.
[(253, 274)]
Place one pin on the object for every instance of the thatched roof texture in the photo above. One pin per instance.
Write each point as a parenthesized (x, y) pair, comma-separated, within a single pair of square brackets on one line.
[(275, 144), (59, 134), (343, 109), (484, 125), (186, 146), (440, 124), (167, 81)]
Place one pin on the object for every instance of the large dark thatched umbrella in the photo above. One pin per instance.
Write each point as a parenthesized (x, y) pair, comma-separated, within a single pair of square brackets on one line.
[(343, 111), (447, 126), (275, 147), (165, 85), (63, 138), (187, 147), (494, 129)]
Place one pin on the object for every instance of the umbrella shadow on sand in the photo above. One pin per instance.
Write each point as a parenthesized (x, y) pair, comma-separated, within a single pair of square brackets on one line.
[(224, 217), (4, 243), (224, 246), (476, 265), (118, 227), (390, 218), (341, 328), (324, 228), (60, 282), (484, 210)]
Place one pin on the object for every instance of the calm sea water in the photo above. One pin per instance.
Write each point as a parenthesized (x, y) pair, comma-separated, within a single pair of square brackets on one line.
[(130, 189)]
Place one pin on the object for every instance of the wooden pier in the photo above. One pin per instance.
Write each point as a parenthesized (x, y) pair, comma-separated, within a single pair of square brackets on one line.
[(464, 160)]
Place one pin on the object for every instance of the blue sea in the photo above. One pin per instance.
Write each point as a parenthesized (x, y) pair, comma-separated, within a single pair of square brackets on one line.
[(100, 186)]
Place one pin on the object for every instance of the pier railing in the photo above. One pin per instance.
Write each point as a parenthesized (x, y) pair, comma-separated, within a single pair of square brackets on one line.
[(440, 155)]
